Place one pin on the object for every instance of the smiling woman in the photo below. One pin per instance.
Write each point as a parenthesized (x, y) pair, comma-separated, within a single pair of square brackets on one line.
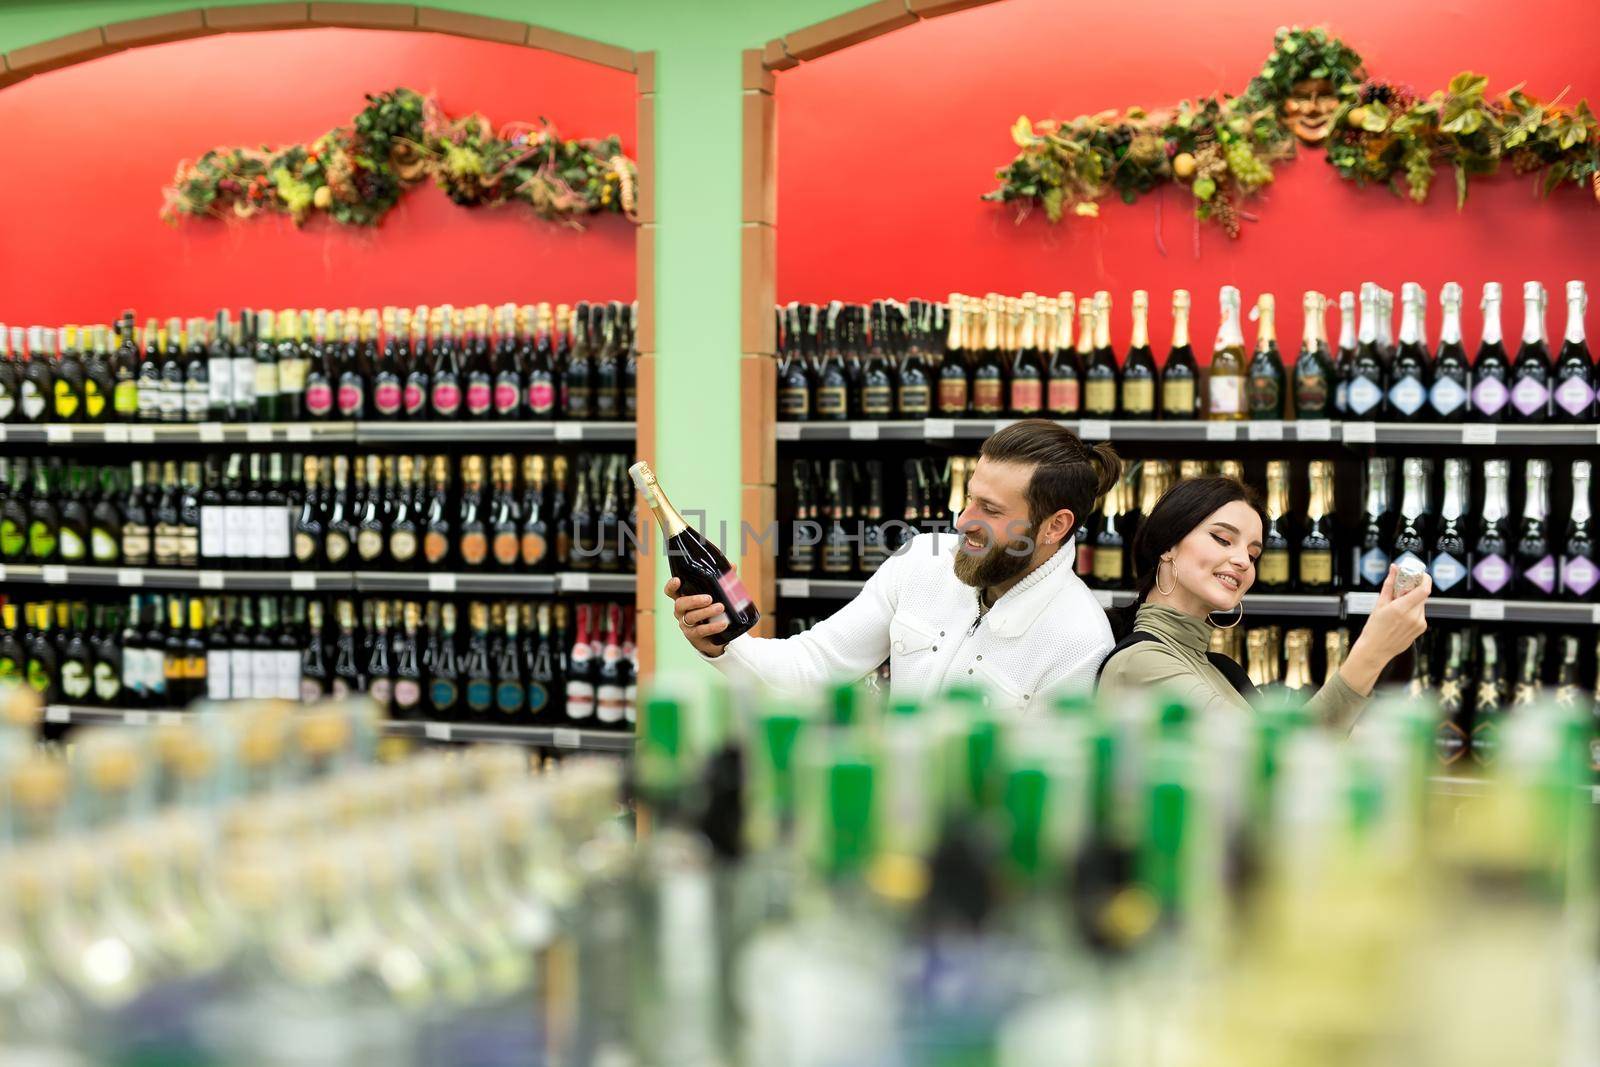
[(1195, 556)]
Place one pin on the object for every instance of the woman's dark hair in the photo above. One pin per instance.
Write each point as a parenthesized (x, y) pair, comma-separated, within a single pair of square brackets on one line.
[(1180, 509), (1066, 472)]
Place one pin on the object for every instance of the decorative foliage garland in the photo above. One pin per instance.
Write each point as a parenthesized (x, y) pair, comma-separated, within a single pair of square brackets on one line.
[(1312, 87), (356, 173)]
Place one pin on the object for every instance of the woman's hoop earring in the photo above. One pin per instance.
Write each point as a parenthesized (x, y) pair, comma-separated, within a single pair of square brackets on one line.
[(1237, 619), (1165, 592)]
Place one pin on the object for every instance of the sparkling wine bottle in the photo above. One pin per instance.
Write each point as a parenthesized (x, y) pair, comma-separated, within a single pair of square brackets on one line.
[(1530, 375), (699, 565), (1452, 375), (1575, 369)]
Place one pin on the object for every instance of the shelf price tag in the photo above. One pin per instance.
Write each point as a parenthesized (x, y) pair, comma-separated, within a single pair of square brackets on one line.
[(1360, 433), (441, 583), (788, 431), (297, 433), (1314, 430), (436, 731), (54, 574), (142, 435), (1360, 603), (301, 581), (569, 431), (1222, 431), (1594, 615), (210, 579), (210, 431), (863, 431), (574, 583), (938, 428), (116, 434), (258, 432), (1104, 597), (1487, 610), (57, 434), (1094, 429), (2, 433), (130, 576), (1478, 433), (567, 738), (136, 718), (57, 713), (169, 718), (2, 572), (1265, 430), (795, 587)]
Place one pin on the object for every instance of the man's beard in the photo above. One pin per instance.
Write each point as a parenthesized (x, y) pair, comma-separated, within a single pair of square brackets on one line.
[(1000, 563)]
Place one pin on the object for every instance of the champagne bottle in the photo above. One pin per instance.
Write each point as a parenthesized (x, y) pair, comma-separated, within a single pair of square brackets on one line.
[(1534, 565), (1317, 572), (914, 396), (438, 532), (988, 371), (243, 375), (105, 521), (266, 369), (871, 537), (1568, 690), (1027, 365), (149, 384), (1449, 561), (72, 535), (99, 382), (541, 668), (408, 666), (1412, 533), (1450, 739), (1064, 391), (1139, 376), (699, 565), (1491, 554), (1491, 371), (1110, 547), (1101, 382), (1264, 393), (510, 692), (838, 559), (1314, 372), (794, 373), (1364, 398), (1272, 566), (472, 541), (580, 669), (1180, 378), (1579, 573), (577, 378), (1530, 663), (505, 522), (535, 535), (1409, 374), (1531, 373), (444, 390), (955, 377), (608, 688), (1575, 373), (135, 533), (241, 652), (1297, 652), (832, 400), (172, 372), (878, 384), (402, 537), (1452, 376), (339, 531), (1226, 385), (124, 369)]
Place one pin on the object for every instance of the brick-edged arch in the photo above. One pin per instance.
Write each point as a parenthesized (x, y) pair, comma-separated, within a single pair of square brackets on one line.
[(759, 258), (29, 60)]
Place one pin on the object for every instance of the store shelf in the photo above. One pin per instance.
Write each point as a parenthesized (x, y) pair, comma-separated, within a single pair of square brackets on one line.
[(1467, 786), (319, 581), (1490, 610), (1267, 430), (1264, 603), (491, 582), (266, 433), (536, 736), (174, 578), (74, 713), (489, 430)]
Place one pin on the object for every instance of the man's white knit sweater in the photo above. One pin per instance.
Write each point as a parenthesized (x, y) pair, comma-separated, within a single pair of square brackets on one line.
[(1047, 634)]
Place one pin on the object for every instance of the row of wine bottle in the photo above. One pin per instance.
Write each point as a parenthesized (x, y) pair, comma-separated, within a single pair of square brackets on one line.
[(268, 511), (515, 362), (845, 528), (510, 663), (1008, 356)]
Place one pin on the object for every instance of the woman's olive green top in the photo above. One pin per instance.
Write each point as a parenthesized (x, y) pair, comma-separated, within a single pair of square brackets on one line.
[(1176, 663)]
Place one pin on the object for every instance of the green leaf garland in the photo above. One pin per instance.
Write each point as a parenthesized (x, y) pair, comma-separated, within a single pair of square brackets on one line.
[(355, 174), (1224, 148)]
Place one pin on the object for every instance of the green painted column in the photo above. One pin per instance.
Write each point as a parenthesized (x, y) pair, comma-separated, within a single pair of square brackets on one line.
[(698, 49)]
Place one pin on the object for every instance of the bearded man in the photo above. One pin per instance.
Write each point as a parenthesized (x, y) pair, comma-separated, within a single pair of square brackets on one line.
[(995, 604)]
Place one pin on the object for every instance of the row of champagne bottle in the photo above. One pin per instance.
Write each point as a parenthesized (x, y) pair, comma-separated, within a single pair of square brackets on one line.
[(272, 511), (504, 662), (516, 362), (1008, 356), (167, 875), (843, 527)]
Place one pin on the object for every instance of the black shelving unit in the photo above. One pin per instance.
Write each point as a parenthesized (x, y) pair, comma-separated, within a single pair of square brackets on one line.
[(312, 433)]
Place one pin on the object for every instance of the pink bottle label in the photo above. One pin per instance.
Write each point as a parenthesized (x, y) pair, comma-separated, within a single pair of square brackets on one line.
[(1574, 396), (319, 399), (1491, 574), (1542, 574), (1489, 395), (1578, 575), (541, 398), (349, 400), (413, 398), (479, 397), (505, 397), (1528, 396), (386, 397), (732, 588), (446, 398)]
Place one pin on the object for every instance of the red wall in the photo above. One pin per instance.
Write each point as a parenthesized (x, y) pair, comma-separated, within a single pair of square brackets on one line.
[(89, 148), (885, 148)]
